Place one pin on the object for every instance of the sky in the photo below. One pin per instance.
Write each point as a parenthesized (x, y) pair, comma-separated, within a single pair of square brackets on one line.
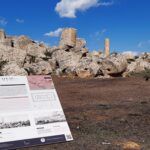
[(125, 22)]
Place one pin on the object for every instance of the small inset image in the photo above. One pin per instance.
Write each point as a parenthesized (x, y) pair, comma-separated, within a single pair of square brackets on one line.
[(43, 97), (40, 82), (16, 121), (50, 118)]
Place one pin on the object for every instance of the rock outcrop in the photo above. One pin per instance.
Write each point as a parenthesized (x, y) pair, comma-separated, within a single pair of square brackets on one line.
[(23, 56), (68, 37)]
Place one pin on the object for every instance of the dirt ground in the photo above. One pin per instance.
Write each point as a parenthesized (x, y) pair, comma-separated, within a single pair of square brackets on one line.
[(110, 114)]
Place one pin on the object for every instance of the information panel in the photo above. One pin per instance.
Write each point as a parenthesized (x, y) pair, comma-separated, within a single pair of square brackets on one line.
[(30, 113)]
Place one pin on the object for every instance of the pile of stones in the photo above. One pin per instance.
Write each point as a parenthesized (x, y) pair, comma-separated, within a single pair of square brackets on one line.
[(23, 56)]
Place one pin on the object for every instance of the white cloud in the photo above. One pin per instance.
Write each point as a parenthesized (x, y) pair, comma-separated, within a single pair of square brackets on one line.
[(3, 21), (106, 3), (68, 8), (100, 33), (19, 20), (41, 42), (144, 43), (55, 33), (134, 53)]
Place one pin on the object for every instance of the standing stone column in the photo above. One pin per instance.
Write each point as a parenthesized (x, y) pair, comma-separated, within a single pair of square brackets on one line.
[(68, 37), (107, 47), (2, 36)]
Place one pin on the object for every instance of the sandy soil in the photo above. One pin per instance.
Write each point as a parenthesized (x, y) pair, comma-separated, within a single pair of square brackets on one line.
[(111, 114)]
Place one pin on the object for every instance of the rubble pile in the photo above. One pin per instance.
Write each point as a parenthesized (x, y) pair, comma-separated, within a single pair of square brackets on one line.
[(23, 56)]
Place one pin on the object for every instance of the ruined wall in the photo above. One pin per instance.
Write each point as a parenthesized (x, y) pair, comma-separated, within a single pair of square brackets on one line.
[(68, 37), (2, 36)]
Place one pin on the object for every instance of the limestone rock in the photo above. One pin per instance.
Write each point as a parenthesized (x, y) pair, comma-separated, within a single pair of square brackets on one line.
[(8, 42), (138, 66), (53, 64), (68, 37), (107, 47), (95, 68), (12, 69), (94, 55), (66, 59), (20, 55), (36, 51), (58, 72), (2, 35), (114, 66), (12, 54), (120, 62), (145, 57), (68, 72), (80, 43), (22, 42), (108, 67), (30, 47), (129, 56), (79, 51), (87, 66), (50, 50), (84, 73), (84, 50), (39, 68)]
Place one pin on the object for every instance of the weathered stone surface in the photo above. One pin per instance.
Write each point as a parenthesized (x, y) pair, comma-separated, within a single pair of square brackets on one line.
[(21, 55), (120, 62), (7, 42), (79, 51), (12, 54), (22, 42), (108, 67), (39, 68), (114, 66), (145, 57), (94, 55), (36, 51), (87, 66), (84, 73), (50, 50), (84, 50), (2, 35), (95, 68), (129, 56), (80, 43), (68, 72), (66, 59), (140, 64), (58, 72), (107, 47), (53, 64), (12, 69), (68, 37)]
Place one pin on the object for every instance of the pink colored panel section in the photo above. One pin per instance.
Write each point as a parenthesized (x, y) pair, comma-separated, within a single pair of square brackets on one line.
[(40, 82)]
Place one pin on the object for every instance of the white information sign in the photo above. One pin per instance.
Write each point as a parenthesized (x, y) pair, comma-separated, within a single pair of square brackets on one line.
[(30, 113)]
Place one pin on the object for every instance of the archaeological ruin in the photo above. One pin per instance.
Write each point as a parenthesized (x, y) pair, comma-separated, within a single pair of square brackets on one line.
[(24, 56)]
